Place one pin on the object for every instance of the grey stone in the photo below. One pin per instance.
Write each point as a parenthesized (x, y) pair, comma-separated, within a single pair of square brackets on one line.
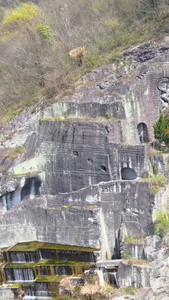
[(135, 250), (133, 275)]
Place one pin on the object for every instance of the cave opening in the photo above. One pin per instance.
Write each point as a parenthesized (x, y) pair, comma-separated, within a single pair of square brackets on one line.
[(143, 133), (128, 174)]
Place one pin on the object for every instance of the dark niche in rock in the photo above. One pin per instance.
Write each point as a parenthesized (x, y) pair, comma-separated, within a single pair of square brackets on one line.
[(128, 174), (28, 187), (31, 187), (103, 168), (75, 153), (90, 161), (143, 133)]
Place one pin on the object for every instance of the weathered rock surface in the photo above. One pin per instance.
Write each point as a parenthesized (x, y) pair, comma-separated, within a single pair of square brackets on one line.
[(101, 209), (96, 141), (80, 176), (154, 276), (133, 275)]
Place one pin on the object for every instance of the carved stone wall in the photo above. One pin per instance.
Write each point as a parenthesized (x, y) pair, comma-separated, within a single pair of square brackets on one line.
[(91, 216), (82, 162)]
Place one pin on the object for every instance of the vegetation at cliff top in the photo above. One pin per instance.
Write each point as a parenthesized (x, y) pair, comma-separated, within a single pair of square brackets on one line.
[(162, 223), (133, 240), (136, 261), (36, 40)]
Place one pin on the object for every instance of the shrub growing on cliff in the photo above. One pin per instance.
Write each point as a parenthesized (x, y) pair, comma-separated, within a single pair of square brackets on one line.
[(162, 223), (157, 182), (161, 129), (155, 169)]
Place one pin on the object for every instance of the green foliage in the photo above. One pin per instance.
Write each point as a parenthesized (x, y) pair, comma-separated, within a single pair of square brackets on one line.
[(14, 152), (158, 128), (132, 290), (107, 289), (113, 26), (153, 151), (126, 255), (44, 30), (157, 182), (11, 113), (162, 223), (155, 169), (108, 114), (62, 263), (92, 60), (14, 285), (161, 129), (65, 298), (20, 265), (136, 261), (127, 290), (134, 240), (112, 23), (100, 5), (23, 13)]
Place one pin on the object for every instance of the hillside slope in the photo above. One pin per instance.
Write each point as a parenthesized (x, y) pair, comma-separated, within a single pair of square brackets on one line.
[(36, 38)]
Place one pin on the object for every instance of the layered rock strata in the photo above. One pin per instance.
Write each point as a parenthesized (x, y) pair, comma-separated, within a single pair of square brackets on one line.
[(81, 173)]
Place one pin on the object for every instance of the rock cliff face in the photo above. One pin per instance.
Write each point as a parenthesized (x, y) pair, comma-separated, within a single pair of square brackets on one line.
[(74, 172)]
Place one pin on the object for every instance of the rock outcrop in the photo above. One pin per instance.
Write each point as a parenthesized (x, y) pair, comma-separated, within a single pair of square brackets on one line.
[(75, 172)]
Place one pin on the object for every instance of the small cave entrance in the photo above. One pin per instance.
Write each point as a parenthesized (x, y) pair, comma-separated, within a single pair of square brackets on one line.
[(128, 174), (143, 133)]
